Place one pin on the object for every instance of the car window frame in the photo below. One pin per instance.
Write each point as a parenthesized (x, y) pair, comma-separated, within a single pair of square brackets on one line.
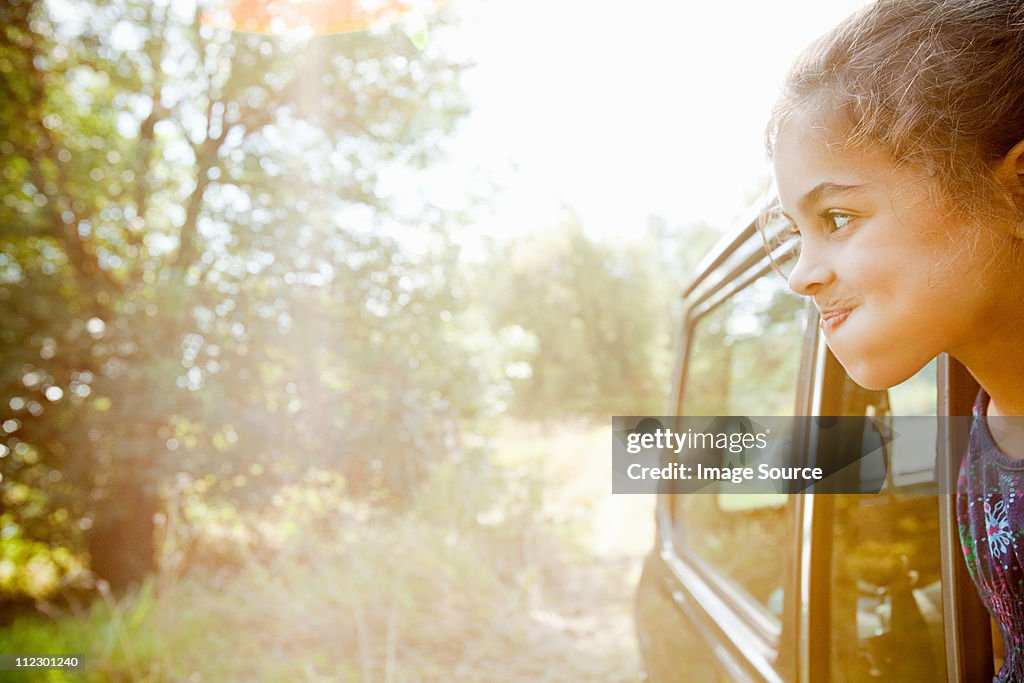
[(744, 262), (969, 657)]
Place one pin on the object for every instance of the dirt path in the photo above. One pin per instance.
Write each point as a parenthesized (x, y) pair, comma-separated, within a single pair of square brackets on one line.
[(595, 609)]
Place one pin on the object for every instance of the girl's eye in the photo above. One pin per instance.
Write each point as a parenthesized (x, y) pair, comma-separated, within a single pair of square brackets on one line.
[(836, 220)]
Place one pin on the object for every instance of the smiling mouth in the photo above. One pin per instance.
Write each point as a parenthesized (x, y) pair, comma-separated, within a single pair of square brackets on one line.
[(830, 320)]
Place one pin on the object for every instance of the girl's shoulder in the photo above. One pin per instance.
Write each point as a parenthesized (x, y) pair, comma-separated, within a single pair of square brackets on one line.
[(985, 465)]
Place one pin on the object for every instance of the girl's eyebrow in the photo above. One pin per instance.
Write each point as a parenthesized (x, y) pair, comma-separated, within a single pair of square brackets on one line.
[(825, 189), (819, 192)]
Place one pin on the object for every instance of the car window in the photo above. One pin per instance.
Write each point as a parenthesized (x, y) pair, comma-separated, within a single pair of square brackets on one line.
[(748, 543), (744, 359), (886, 573), (744, 356)]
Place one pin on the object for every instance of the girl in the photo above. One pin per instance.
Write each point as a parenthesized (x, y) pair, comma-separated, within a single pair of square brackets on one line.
[(898, 150)]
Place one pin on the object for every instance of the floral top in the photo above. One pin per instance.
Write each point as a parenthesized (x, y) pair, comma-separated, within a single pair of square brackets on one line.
[(990, 512)]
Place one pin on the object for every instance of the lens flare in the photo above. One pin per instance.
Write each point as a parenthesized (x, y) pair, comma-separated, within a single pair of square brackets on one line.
[(319, 17)]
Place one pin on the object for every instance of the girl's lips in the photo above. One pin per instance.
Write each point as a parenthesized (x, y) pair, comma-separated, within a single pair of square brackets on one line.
[(830, 320)]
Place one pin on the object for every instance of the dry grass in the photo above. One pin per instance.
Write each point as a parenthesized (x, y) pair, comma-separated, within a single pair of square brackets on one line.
[(517, 568)]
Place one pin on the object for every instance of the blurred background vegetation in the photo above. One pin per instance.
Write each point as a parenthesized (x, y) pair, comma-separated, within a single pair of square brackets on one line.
[(251, 404)]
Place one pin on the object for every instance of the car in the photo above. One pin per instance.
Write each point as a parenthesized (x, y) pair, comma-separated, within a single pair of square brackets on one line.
[(807, 587)]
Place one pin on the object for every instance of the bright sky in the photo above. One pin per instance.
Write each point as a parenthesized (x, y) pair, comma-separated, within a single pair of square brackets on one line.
[(620, 110)]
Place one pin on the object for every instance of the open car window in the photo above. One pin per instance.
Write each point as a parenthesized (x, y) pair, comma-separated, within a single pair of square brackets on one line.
[(885, 583)]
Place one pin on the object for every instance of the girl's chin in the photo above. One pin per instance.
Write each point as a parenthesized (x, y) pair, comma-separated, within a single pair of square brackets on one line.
[(872, 383), (876, 376)]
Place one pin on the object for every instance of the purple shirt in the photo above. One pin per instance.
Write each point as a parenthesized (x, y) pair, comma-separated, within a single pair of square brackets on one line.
[(990, 512)]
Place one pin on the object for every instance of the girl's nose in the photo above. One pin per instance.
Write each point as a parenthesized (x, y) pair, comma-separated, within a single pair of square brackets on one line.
[(811, 272)]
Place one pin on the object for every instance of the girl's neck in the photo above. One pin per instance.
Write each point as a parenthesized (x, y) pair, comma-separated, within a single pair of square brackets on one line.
[(997, 410), (1000, 372), (995, 357), (1007, 431)]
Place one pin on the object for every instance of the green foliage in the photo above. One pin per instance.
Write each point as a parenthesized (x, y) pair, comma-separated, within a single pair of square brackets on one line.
[(199, 274), (114, 636), (31, 568), (592, 322)]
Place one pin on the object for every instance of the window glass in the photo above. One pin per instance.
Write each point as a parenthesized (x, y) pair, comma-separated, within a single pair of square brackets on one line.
[(744, 359), (886, 599), (747, 539), (744, 355), (916, 396)]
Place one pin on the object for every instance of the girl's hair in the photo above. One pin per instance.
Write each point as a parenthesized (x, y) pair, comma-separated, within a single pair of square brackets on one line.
[(937, 84)]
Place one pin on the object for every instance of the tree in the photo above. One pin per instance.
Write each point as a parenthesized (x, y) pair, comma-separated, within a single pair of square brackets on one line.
[(199, 276), (598, 317)]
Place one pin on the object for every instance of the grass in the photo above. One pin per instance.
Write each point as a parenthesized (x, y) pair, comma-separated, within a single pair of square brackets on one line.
[(494, 573)]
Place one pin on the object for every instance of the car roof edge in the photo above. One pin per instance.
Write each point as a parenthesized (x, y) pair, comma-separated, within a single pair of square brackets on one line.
[(737, 235)]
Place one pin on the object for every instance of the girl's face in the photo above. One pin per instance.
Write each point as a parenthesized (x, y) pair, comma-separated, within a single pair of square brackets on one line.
[(896, 277)]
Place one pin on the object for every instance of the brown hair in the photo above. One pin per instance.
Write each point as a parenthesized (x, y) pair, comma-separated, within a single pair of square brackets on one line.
[(938, 84)]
